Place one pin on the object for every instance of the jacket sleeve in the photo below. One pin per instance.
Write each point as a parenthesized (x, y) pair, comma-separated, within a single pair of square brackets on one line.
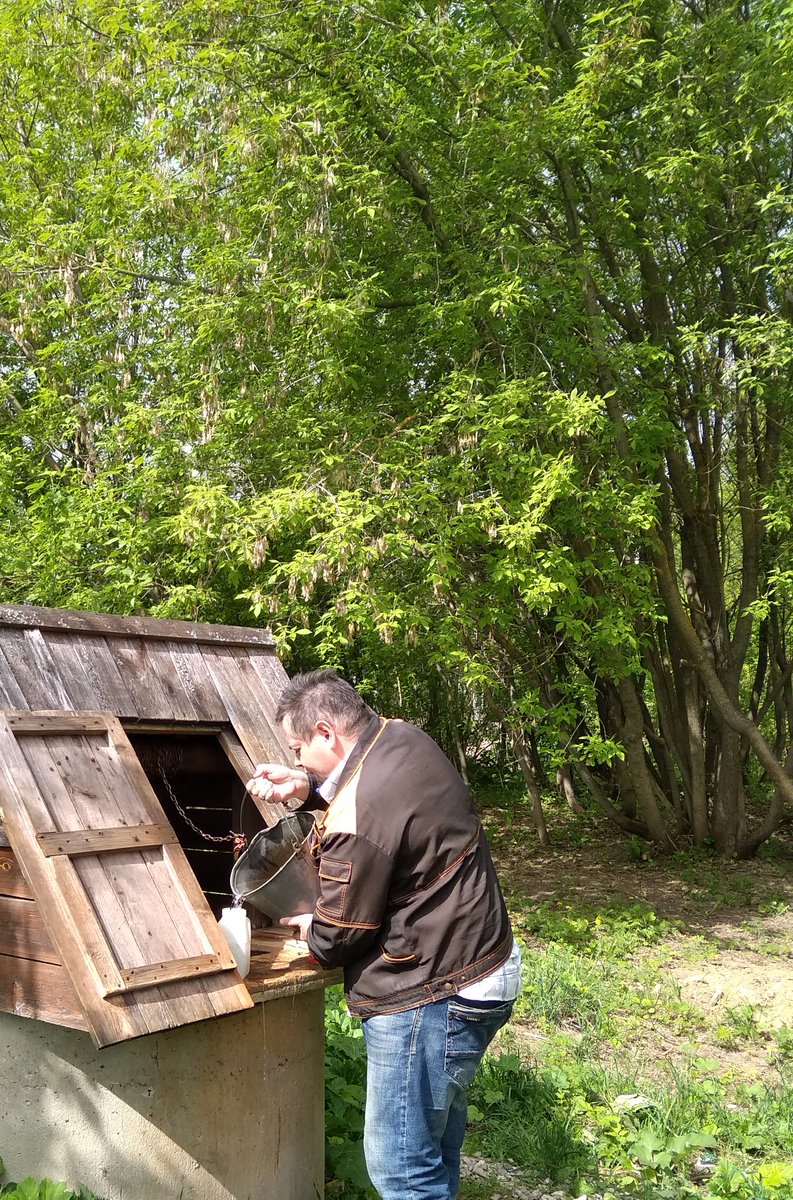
[(355, 877), (313, 803)]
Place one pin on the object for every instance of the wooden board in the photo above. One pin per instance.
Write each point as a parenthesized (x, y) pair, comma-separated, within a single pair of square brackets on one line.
[(248, 704), (112, 693), (11, 694), (61, 619), (112, 914), (136, 668), (12, 881), (40, 990), (243, 765), (72, 665), (270, 672), (197, 682), (31, 665), (280, 966), (22, 931), (98, 841)]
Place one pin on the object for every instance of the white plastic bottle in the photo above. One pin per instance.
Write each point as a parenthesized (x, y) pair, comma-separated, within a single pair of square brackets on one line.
[(235, 926)]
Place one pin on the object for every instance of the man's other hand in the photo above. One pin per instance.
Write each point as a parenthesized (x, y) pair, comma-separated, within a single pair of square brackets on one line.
[(301, 922), (275, 783)]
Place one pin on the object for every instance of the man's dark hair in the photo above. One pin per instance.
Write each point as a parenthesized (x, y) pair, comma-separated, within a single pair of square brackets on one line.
[(322, 696)]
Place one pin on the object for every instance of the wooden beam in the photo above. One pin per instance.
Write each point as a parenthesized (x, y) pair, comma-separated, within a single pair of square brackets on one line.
[(100, 841), (39, 990), (56, 721), (63, 619), (180, 969), (22, 932), (12, 881)]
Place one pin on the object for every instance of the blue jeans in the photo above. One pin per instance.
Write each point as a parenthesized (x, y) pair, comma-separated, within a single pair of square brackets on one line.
[(419, 1066)]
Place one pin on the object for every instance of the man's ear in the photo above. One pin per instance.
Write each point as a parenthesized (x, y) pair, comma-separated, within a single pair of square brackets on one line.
[(325, 730)]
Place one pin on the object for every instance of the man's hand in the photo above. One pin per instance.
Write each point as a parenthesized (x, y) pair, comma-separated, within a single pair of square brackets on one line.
[(276, 783), (302, 922)]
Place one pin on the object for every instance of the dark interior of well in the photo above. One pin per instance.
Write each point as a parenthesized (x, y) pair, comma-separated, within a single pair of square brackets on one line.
[(191, 772)]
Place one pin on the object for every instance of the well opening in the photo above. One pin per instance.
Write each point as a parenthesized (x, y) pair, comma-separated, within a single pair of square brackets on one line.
[(190, 772)]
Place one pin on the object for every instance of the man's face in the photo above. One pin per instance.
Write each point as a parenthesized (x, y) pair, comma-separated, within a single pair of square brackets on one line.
[(320, 753)]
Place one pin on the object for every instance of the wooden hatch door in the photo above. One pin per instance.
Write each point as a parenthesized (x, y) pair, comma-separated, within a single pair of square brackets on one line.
[(118, 897)]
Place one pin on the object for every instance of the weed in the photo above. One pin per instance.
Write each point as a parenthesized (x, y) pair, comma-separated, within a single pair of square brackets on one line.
[(772, 1181), (782, 1037), (740, 1024), (602, 1106), (345, 1094), (520, 1115), (728, 887)]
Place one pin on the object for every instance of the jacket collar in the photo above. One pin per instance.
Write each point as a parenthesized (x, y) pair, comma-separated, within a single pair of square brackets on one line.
[(359, 749)]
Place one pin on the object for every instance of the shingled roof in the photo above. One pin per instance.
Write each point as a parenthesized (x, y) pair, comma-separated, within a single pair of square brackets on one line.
[(117, 897)]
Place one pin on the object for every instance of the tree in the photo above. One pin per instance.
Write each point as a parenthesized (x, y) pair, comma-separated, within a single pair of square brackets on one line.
[(458, 339)]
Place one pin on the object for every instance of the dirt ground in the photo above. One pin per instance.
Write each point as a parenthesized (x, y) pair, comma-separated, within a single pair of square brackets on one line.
[(734, 949)]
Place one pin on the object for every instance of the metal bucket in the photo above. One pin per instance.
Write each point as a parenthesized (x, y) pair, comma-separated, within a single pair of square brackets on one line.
[(277, 874)]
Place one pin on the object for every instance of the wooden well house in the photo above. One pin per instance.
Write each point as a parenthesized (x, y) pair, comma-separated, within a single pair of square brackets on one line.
[(124, 746)]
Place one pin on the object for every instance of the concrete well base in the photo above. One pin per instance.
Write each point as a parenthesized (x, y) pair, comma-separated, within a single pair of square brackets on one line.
[(228, 1109)]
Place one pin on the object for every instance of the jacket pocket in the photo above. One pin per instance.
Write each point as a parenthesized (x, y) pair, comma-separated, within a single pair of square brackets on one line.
[(334, 878), (398, 960), (397, 944)]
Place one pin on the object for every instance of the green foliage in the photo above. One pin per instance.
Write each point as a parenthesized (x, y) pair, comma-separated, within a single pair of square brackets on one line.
[(44, 1189), (345, 1094), (598, 1130), (772, 1181), (430, 336), (611, 932), (522, 1116)]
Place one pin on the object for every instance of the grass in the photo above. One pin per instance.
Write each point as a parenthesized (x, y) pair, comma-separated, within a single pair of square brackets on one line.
[(612, 1080)]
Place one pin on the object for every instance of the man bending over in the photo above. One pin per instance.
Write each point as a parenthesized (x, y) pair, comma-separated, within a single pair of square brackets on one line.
[(411, 908)]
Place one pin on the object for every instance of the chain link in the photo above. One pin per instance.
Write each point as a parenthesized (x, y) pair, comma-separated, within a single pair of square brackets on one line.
[(175, 756)]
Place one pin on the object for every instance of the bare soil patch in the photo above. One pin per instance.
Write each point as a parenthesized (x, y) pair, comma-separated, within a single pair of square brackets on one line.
[(732, 957)]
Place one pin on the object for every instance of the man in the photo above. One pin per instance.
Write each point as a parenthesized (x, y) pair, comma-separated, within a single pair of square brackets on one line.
[(411, 908)]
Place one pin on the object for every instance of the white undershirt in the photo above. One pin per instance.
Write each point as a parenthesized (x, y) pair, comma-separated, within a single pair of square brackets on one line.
[(501, 984)]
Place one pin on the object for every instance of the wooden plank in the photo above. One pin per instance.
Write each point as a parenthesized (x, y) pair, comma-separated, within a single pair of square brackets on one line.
[(280, 966), (32, 617), (192, 670), (99, 841), (248, 704), (71, 664), (240, 761), (103, 671), (136, 668), (270, 671), (54, 721), (235, 752), (179, 698), (22, 931), (34, 670), (39, 990), (11, 694), (170, 972), (22, 804), (12, 881), (84, 919)]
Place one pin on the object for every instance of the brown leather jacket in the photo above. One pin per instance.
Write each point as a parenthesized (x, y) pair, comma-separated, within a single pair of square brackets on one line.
[(410, 904)]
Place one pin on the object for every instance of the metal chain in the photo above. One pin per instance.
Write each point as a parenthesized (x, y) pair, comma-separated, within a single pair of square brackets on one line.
[(176, 757)]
